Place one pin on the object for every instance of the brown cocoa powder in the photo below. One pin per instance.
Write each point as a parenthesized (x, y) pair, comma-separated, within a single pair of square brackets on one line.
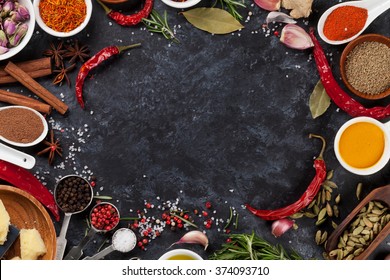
[(20, 125)]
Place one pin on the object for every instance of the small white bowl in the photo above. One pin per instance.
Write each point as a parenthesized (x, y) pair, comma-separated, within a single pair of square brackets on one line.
[(27, 37), (62, 34), (181, 5), (36, 141)]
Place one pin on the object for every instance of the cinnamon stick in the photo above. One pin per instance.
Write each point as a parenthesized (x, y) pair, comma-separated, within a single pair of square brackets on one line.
[(18, 99), (35, 68), (35, 87)]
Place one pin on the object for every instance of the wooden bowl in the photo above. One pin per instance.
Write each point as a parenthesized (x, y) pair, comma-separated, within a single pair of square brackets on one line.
[(27, 212), (381, 194), (343, 59)]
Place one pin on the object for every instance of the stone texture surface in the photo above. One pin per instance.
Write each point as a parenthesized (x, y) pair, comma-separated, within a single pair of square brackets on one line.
[(223, 119)]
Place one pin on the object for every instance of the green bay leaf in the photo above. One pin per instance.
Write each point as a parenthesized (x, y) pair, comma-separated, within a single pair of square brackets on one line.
[(319, 100), (212, 20)]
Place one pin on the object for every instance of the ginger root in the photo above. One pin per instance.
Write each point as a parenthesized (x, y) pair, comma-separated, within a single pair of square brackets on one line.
[(299, 8)]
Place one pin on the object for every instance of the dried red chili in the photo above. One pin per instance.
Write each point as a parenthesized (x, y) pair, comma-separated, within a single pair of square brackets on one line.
[(305, 199), (129, 20), (24, 180), (336, 93), (93, 62)]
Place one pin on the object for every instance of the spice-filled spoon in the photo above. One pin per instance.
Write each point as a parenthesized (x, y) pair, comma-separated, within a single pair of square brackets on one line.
[(73, 194), (374, 9), (104, 217), (123, 240), (381, 195)]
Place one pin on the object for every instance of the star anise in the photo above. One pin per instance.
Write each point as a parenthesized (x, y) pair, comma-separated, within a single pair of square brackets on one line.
[(77, 52), (63, 74), (53, 147), (56, 52)]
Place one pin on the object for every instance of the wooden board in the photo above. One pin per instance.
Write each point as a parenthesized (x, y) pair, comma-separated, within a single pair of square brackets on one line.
[(27, 212)]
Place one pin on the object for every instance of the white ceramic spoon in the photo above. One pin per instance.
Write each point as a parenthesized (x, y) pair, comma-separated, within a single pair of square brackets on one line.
[(374, 8), (16, 157)]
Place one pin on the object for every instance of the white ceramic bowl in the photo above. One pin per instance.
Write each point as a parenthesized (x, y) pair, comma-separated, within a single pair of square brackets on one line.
[(27, 37), (36, 141), (62, 34), (180, 252), (181, 5)]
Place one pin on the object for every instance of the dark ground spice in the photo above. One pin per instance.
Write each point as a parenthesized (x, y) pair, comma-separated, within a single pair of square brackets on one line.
[(20, 125)]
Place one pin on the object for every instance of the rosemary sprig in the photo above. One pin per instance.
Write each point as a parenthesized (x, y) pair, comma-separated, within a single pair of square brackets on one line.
[(159, 24), (232, 7), (252, 247), (184, 220)]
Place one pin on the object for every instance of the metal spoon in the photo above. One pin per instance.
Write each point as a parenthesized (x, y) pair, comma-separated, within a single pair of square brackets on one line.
[(61, 239), (127, 233), (374, 7), (77, 251)]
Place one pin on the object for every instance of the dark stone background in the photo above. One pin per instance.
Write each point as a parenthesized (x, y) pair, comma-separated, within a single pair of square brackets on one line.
[(223, 119)]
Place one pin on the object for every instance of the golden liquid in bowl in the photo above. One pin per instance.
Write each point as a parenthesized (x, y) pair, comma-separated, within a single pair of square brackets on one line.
[(362, 145), (181, 257)]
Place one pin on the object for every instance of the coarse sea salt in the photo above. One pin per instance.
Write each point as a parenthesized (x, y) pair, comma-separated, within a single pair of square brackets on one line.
[(124, 240)]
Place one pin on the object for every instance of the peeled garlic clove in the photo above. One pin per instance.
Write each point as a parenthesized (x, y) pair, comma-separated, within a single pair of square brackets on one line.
[(194, 237), (269, 5), (281, 226), (279, 17), (295, 37)]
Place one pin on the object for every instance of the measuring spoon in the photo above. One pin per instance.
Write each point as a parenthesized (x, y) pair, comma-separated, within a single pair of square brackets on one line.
[(374, 7), (125, 235), (61, 239), (77, 251)]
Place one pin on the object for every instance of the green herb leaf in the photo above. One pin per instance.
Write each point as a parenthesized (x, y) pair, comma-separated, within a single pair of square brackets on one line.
[(319, 101), (212, 20)]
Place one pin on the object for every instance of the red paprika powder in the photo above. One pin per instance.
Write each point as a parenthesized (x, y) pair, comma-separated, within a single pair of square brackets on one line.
[(345, 22)]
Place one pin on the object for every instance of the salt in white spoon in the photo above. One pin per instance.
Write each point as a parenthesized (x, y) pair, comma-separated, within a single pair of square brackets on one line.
[(374, 7)]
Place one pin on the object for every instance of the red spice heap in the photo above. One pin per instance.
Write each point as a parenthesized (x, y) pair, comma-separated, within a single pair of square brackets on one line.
[(63, 15), (345, 22)]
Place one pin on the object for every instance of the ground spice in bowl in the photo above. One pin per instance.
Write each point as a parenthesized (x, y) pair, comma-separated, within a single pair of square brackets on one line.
[(367, 67), (20, 125)]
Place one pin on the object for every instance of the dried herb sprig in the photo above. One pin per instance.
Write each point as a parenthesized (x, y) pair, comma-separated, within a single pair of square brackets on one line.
[(252, 247), (159, 24), (232, 7)]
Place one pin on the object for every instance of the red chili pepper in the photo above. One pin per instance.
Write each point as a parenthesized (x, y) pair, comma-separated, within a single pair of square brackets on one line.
[(305, 199), (129, 20), (24, 180), (336, 93), (93, 62)]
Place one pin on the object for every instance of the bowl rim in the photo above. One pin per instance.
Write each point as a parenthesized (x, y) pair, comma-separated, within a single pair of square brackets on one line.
[(181, 5), (351, 45), (31, 27), (52, 32)]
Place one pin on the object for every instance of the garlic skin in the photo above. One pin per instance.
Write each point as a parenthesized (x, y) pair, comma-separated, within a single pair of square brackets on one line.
[(279, 227), (295, 37), (269, 5), (194, 237), (279, 17)]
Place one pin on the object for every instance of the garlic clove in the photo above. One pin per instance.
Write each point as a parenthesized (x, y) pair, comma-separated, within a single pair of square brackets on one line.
[(295, 37), (279, 227), (194, 237), (269, 5), (279, 17)]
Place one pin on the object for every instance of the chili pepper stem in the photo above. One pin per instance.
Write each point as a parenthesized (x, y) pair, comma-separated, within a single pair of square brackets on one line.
[(320, 156), (123, 48), (106, 9)]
